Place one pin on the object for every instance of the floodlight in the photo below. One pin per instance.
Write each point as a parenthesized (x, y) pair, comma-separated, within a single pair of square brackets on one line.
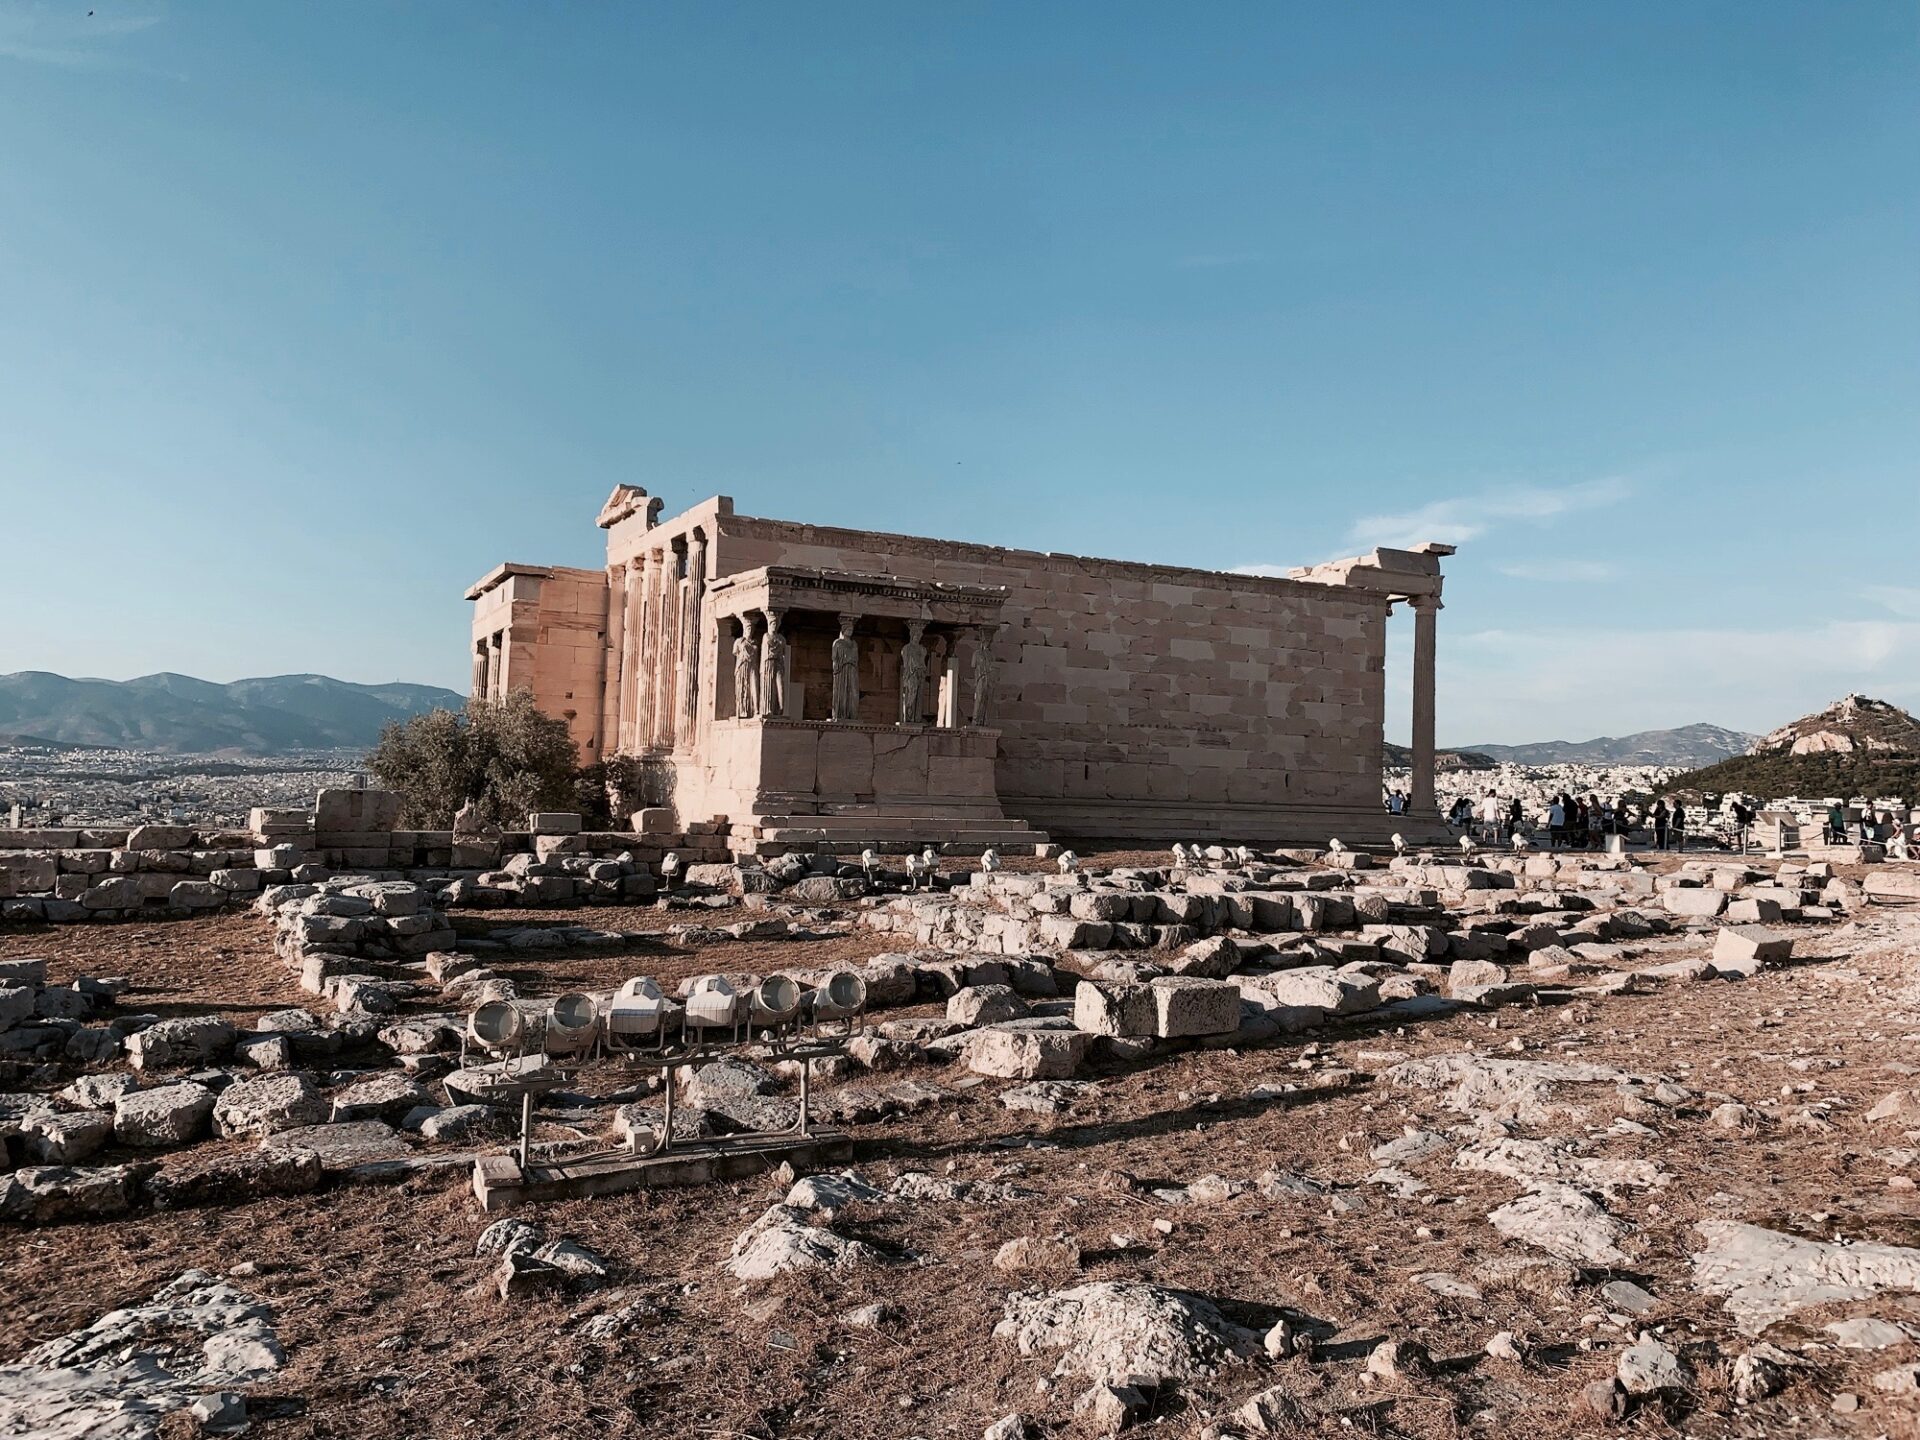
[(842, 997), (711, 1003), (496, 1027), (573, 1024), (637, 1012), (775, 1001)]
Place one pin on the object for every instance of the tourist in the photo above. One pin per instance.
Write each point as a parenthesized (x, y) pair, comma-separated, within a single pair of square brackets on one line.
[(1490, 818), (1742, 824), (1836, 831), (1659, 817), (1679, 823), (1622, 820), (1514, 818)]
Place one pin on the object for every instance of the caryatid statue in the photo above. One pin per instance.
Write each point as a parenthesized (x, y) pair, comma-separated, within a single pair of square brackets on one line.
[(746, 670), (982, 673), (846, 672), (913, 675), (773, 669)]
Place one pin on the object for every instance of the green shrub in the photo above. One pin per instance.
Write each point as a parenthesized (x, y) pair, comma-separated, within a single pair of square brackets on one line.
[(1811, 777), (507, 756)]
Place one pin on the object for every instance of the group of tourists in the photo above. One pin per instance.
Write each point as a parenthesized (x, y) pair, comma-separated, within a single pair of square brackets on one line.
[(1872, 828), (1587, 821), (1569, 821)]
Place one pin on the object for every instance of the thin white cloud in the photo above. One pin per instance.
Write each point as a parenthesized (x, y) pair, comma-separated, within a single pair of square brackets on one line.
[(1272, 572), (1458, 519), (1560, 572), (1900, 599)]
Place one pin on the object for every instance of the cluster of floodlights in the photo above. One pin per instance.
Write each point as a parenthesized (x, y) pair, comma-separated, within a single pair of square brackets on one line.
[(640, 1020)]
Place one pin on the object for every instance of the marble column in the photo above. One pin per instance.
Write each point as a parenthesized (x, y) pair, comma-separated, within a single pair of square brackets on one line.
[(663, 629), (630, 654), (478, 689), (1425, 608), (640, 661), (497, 666), (612, 653), (947, 705)]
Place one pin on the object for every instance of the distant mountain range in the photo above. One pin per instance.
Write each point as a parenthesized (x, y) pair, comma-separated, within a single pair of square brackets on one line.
[(180, 715), (1690, 745)]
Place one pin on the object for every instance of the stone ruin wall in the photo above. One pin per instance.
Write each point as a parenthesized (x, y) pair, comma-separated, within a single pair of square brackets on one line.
[(552, 623), (170, 871), (1143, 698)]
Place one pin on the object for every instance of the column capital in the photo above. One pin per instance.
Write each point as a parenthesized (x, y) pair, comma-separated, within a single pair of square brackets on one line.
[(1425, 602)]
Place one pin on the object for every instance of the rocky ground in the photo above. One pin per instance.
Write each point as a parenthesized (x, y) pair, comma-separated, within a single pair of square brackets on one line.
[(1685, 1206)]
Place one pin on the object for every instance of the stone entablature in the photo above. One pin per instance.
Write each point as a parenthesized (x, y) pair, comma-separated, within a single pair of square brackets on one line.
[(1127, 698)]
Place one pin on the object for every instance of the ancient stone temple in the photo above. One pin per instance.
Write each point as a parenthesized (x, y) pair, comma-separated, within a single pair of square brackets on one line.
[(805, 683)]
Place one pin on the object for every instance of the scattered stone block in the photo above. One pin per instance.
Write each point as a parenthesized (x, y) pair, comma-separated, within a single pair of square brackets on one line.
[(1746, 948), (165, 1115), (187, 1040), (44, 1194), (268, 1105), (1027, 1054), (66, 1137), (1187, 1005), (233, 1179)]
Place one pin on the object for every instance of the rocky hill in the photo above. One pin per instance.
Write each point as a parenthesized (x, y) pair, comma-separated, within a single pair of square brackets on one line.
[(1692, 745), (181, 715), (1856, 746), (1401, 757), (1852, 726)]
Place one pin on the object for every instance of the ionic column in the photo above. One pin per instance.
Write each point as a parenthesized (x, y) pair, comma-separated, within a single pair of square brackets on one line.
[(663, 651), (613, 652), (478, 689), (1425, 608), (633, 665), (497, 665)]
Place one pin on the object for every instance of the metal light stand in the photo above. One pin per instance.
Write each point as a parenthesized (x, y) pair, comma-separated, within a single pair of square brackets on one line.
[(787, 1041)]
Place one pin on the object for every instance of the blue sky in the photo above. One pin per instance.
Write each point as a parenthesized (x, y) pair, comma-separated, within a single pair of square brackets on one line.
[(310, 314)]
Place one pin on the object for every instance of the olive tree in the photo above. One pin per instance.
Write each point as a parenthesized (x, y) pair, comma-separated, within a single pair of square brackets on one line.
[(504, 755)]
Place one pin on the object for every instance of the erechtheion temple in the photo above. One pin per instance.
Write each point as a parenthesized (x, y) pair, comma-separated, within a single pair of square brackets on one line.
[(809, 684)]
